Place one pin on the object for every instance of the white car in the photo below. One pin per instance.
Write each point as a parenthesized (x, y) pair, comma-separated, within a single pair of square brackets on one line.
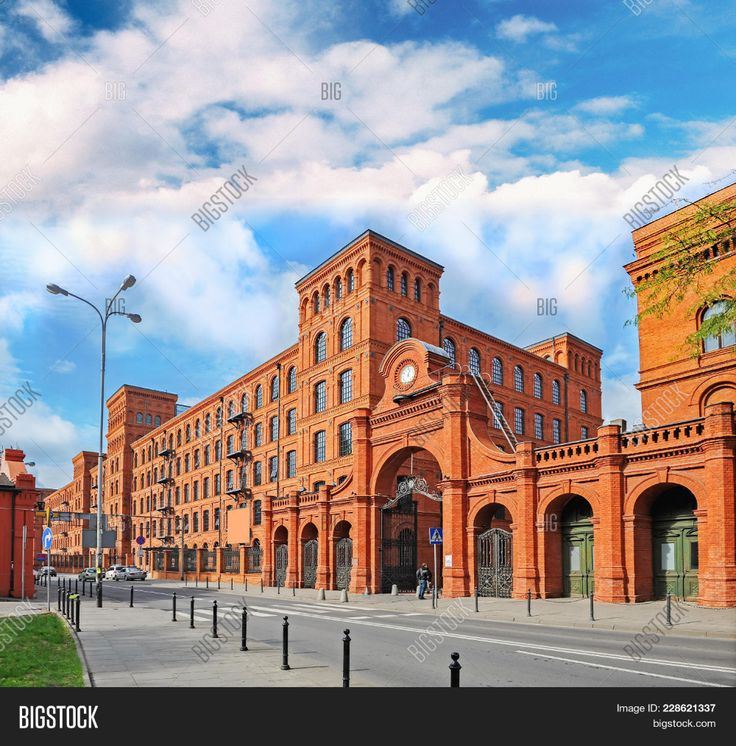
[(134, 573), (116, 572)]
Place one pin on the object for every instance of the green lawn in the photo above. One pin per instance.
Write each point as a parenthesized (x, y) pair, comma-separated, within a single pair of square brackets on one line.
[(42, 654)]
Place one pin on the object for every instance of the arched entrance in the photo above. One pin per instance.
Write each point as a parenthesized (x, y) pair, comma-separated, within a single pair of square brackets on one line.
[(310, 545), (493, 551), (343, 555), (576, 529), (281, 555), (408, 481), (675, 544)]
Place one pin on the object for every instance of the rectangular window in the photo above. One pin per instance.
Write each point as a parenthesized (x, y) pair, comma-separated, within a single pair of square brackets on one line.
[(256, 512), (273, 468), (274, 428), (583, 432), (218, 486), (346, 386), (291, 464), (346, 439), (320, 396), (518, 420), (291, 425), (186, 493), (196, 491), (555, 431), (206, 487), (539, 426), (257, 473), (497, 414), (320, 445), (259, 434)]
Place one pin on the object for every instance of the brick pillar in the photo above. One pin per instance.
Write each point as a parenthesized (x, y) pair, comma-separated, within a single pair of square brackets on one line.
[(362, 575), (717, 533), (523, 527), (243, 562), (639, 561), (368, 542), (295, 543), (324, 570), (366, 551), (219, 562), (267, 547), (610, 575)]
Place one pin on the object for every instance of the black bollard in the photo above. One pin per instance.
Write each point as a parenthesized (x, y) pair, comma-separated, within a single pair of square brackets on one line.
[(173, 608), (58, 598), (99, 594), (66, 603), (455, 670), (285, 651), (207, 582), (293, 590), (196, 581), (261, 585), (244, 631), (76, 586), (278, 586), (668, 608), (231, 584), (191, 613), (185, 581), (476, 599), (79, 606), (58, 581), (90, 588), (246, 585), (592, 609), (346, 660), (214, 619), (131, 596), (529, 602), (72, 605)]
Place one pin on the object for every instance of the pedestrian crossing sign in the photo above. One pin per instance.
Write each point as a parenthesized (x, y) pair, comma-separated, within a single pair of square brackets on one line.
[(435, 536)]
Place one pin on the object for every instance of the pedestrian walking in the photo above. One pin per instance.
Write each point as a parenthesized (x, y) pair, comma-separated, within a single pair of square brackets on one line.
[(424, 577)]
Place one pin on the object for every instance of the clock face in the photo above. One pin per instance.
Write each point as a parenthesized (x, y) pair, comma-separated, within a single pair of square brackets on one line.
[(408, 374)]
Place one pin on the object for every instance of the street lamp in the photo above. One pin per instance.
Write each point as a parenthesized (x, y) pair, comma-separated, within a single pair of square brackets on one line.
[(127, 283)]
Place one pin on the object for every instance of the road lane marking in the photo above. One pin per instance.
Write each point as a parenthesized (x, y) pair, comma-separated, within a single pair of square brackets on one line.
[(623, 670)]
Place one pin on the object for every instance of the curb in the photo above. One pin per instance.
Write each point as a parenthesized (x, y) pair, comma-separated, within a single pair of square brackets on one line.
[(89, 681)]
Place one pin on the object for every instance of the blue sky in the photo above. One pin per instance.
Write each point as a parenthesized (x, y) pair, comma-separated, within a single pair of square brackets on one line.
[(120, 119)]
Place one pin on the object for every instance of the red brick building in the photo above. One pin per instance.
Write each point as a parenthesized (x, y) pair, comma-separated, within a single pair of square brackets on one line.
[(327, 465)]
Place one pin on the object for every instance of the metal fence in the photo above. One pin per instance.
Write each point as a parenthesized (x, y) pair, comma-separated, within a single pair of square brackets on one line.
[(231, 560), (172, 560), (254, 558), (158, 559), (209, 561), (190, 560)]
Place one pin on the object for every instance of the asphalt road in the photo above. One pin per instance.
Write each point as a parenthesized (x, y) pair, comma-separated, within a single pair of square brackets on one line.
[(399, 648)]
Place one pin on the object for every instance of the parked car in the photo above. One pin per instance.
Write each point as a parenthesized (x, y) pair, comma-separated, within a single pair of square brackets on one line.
[(135, 573), (89, 573), (115, 572), (51, 571)]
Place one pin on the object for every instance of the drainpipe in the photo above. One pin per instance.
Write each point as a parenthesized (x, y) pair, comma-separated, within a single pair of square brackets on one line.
[(278, 432), (12, 543), (566, 378)]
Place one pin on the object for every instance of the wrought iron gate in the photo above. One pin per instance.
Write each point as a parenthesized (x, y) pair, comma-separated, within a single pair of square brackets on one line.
[(494, 563), (399, 544), (344, 562), (282, 562), (309, 563)]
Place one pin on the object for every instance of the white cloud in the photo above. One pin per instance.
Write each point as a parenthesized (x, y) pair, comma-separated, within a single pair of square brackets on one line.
[(606, 105), (52, 22), (63, 366), (519, 28)]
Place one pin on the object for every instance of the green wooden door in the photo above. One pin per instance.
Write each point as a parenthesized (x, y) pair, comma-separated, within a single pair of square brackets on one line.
[(675, 549), (577, 548)]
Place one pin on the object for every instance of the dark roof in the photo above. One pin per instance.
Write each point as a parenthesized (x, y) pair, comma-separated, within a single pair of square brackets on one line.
[(360, 238), (564, 334)]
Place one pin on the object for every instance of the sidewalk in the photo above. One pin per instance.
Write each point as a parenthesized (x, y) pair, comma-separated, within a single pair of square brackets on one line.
[(688, 619)]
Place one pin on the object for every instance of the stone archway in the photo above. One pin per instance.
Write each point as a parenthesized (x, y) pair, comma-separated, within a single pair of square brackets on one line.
[(281, 555), (310, 555), (343, 554), (493, 551)]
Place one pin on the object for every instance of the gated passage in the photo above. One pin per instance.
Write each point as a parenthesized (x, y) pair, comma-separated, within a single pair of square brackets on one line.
[(399, 545), (494, 563), (309, 563), (282, 562), (344, 562)]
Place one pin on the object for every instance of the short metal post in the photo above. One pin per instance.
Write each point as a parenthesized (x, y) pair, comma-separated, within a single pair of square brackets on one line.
[(196, 581), (218, 582), (231, 584), (476, 599), (669, 609), (131, 596), (79, 606), (278, 586), (244, 631), (90, 588), (76, 586), (246, 585), (285, 652), (66, 603), (214, 619), (71, 609), (346, 660), (293, 590), (592, 609), (99, 595), (207, 582), (191, 613), (455, 670), (173, 608), (185, 581), (529, 602), (261, 585), (58, 597)]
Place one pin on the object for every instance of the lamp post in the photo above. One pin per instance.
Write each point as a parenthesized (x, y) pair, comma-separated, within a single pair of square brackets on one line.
[(110, 310)]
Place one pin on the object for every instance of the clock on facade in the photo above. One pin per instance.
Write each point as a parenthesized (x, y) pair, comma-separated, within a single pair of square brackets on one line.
[(407, 375)]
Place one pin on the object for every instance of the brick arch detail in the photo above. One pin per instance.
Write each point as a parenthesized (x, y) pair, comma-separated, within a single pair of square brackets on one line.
[(632, 500), (570, 491), (490, 499), (433, 447)]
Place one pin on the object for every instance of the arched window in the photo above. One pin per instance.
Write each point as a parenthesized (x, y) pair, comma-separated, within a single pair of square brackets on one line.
[(320, 445), (555, 392), (320, 347), (449, 347), (725, 338), (291, 380), (258, 434), (315, 302), (346, 334), (231, 408), (351, 281), (537, 386), (244, 403), (197, 429), (218, 450), (207, 453), (474, 361), (418, 290), (149, 419), (274, 427), (327, 296), (139, 418), (518, 378), (207, 423), (259, 396), (320, 397), (346, 386), (275, 388), (583, 401), (218, 417), (404, 284), (178, 437), (497, 371), (403, 329), (338, 289), (390, 278), (157, 421), (188, 433)]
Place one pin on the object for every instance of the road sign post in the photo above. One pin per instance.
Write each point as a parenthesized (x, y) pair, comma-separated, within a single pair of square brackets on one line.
[(47, 539), (435, 538)]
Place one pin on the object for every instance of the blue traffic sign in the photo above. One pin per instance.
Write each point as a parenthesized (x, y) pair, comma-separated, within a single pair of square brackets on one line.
[(46, 539), (435, 536)]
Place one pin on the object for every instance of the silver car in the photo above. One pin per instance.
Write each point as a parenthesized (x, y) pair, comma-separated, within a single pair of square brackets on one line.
[(135, 573), (115, 572)]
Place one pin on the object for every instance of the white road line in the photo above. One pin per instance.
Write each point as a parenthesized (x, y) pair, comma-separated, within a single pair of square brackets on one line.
[(623, 670), (509, 643), (383, 616), (355, 618)]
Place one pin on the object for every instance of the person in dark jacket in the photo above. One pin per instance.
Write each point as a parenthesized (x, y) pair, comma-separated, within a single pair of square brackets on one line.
[(424, 576)]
